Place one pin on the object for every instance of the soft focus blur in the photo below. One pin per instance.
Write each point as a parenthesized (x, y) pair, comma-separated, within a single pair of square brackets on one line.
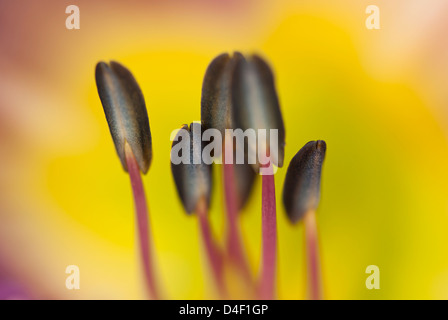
[(377, 97)]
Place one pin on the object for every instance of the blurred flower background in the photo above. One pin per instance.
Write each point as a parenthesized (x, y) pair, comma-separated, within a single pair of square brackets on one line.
[(377, 97)]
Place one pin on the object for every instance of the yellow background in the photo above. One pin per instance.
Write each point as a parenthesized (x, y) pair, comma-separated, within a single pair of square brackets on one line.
[(377, 97)]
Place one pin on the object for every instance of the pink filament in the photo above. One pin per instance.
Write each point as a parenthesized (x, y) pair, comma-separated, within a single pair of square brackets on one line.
[(234, 242), (213, 253), (269, 229), (313, 263), (141, 211)]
